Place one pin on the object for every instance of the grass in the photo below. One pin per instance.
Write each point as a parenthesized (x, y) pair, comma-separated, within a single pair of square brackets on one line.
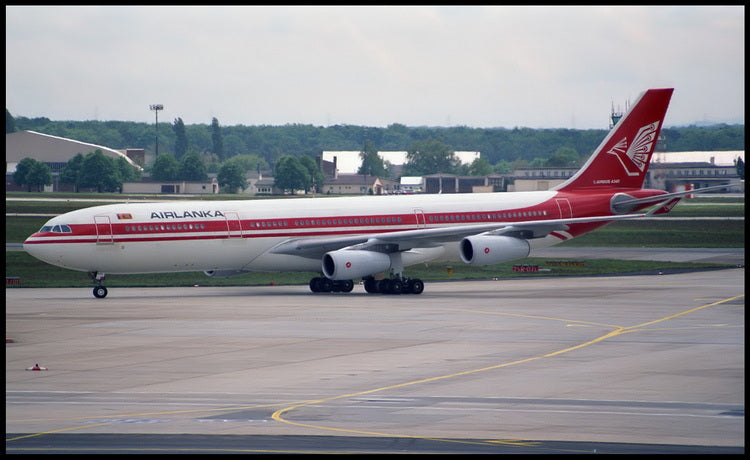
[(33, 273), (667, 234)]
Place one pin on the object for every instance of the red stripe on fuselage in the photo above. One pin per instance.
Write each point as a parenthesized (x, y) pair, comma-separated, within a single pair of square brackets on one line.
[(287, 227), (583, 204)]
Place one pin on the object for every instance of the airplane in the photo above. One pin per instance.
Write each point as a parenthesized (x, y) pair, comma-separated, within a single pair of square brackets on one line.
[(373, 238)]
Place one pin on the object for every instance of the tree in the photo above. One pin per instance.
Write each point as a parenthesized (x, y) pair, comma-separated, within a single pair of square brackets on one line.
[(563, 157), (249, 162), (39, 176), (218, 144), (32, 173), (128, 173), (22, 171), (69, 173), (503, 167), (480, 167), (10, 122), (100, 172), (165, 168), (291, 175), (313, 172), (192, 168), (741, 168), (430, 156), (181, 142), (232, 177), (372, 164)]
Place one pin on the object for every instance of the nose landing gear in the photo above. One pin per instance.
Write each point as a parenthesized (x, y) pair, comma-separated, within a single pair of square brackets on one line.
[(100, 291)]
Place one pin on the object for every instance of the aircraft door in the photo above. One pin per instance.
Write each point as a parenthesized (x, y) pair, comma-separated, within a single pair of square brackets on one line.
[(564, 206), (103, 230), (234, 227), (420, 219)]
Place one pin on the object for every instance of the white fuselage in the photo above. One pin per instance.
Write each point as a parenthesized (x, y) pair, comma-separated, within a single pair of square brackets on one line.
[(239, 235)]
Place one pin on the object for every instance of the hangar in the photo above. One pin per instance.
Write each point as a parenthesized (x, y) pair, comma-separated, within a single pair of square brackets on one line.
[(57, 151)]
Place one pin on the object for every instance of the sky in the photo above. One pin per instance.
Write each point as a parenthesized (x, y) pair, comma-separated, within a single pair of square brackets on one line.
[(476, 66)]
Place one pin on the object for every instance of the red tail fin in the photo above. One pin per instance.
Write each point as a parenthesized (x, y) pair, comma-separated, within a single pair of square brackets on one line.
[(622, 159)]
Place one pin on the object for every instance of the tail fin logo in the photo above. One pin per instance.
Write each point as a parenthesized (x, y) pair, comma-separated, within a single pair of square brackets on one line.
[(639, 151)]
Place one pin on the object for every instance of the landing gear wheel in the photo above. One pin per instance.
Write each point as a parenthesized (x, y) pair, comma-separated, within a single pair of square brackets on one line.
[(371, 286), (396, 286), (100, 292), (415, 286), (315, 284), (322, 284), (326, 285), (346, 286)]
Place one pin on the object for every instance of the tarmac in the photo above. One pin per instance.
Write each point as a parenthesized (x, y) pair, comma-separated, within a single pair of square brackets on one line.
[(634, 364)]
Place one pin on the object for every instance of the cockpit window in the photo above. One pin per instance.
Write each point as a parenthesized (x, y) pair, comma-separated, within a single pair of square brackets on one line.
[(56, 229)]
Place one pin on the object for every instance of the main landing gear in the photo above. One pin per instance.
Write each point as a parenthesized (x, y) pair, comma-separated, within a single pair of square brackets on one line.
[(393, 285), (323, 284), (100, 291)]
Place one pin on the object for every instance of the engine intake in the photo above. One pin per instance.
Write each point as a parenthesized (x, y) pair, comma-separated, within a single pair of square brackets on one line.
[(347, 264), (489, 249)]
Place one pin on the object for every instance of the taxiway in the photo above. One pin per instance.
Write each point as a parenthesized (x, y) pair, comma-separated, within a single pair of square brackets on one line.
[(607, 364)]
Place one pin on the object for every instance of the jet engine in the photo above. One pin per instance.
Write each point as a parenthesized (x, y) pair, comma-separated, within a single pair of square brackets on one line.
[(489, 249), (346, 264)]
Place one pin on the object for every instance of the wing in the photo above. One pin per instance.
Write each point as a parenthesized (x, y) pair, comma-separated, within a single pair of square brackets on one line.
[(315, 248), (625, 203), (404, 240)]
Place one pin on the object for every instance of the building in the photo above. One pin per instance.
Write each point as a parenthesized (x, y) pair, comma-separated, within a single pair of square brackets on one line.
[(259, 183), (670, 171), (534, 179), (55, 152), (410, 184), (358, 184), (349, 161), (450, 183), (176, 187), (674, 171)]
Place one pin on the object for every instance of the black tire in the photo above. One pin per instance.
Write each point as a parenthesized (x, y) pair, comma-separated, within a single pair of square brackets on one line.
[(326, 285), (371, 286), (315, 284), (100, 292), (397, 287), (415, 286), (346, 286)]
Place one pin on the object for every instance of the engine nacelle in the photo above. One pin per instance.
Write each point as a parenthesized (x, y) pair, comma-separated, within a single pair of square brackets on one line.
[(347, 264), (489, 249)]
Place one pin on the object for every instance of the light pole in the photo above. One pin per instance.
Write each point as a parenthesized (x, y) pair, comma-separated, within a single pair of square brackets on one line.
[(156, 108)]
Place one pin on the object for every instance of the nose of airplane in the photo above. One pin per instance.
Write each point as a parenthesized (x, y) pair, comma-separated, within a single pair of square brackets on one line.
[(28, 245), (32, 247)]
